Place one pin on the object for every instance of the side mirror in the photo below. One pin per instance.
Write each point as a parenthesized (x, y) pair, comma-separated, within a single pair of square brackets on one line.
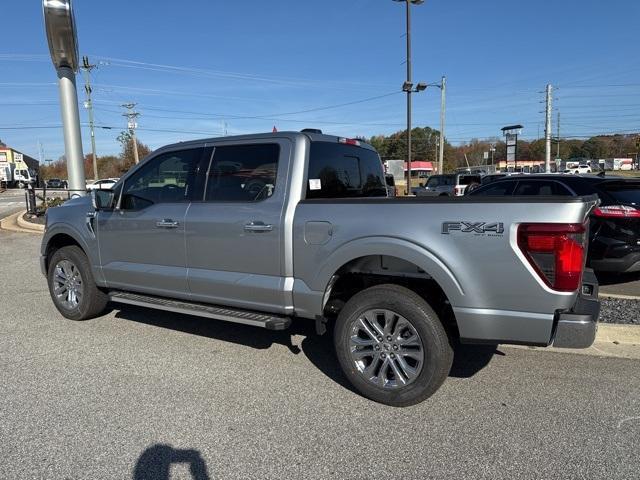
[(102, 199)]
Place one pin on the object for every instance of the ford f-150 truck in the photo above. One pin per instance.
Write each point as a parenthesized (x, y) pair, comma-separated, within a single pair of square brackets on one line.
[(272, 228)]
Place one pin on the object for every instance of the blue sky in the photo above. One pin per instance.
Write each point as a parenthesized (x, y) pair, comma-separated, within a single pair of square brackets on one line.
[(200, 68)]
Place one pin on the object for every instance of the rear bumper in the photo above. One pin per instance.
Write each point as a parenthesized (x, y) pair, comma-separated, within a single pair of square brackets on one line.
[(577, 328), (570, 327)]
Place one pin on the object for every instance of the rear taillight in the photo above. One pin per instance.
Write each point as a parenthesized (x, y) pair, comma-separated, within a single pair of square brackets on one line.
[(616, 211), (555, 251)]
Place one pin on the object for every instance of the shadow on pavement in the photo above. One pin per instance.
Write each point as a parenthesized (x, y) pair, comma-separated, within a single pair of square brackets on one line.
[(468, 359), (606, 278), (155, 463)]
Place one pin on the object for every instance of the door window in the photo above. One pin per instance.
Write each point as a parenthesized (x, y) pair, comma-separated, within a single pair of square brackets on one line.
[(167, 178), (242, 173)]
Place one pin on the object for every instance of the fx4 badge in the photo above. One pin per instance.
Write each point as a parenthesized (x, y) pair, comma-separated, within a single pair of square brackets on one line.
[(477, 228)]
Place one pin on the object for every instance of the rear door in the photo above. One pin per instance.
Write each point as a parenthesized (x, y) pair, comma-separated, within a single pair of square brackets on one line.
[(141, 243), (234, 232)]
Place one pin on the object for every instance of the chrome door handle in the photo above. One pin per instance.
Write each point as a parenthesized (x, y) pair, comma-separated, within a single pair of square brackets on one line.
[(257, 227), (167, 223)]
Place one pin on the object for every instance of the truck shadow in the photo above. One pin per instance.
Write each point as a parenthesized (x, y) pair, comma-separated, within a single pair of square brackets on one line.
[(605, 278), (155, 463), (468, 359)]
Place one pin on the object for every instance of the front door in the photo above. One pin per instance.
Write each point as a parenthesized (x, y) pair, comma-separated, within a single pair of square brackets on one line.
[(234, 234), (142, 242)]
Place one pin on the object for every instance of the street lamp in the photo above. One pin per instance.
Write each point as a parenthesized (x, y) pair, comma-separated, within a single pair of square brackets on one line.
[(63, 46), (407, 86)]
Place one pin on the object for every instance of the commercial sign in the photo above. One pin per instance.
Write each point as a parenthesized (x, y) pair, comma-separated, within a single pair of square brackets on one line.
[(511, 140)]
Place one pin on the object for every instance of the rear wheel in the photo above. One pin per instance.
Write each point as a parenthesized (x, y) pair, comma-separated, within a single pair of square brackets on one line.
[(392, 346), (71, 285)]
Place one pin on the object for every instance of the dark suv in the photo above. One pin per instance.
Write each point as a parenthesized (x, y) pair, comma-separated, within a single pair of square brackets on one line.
[(615, 225)]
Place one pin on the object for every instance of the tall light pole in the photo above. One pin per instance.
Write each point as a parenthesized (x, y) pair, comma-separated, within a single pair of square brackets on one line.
[(63, 46), (443, 94), (408, 86)]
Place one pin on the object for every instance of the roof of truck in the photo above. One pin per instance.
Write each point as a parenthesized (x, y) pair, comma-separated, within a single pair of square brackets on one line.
[(314, 137)]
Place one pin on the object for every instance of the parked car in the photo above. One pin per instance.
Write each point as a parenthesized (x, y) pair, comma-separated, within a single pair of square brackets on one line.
[(454, 184), (269, 229), (614, 234), (104, 184), (581, 169), (54, 183)]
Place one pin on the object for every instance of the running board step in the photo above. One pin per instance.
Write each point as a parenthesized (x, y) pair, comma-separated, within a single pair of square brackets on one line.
[(235, 315)]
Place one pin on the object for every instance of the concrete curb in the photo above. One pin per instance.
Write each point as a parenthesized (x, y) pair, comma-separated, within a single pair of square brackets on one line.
[(10, 224), (612, 340), (22, 223), (618, 296), (617, 333)]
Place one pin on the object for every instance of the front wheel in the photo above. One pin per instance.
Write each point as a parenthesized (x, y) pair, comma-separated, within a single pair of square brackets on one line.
[(71, 285), (391, 346)]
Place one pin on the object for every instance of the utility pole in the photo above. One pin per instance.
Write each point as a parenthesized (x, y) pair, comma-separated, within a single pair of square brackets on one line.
[(547, 131), (492, 149), (131, 115), (443, 93), (86, 69), (558, 127), (408, 87), (436, 155), (409, 81)]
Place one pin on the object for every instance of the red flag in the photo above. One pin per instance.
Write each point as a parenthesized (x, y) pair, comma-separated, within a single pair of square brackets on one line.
[(274, 129)]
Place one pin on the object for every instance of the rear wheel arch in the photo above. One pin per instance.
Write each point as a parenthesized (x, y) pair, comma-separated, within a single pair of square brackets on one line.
[(366, 271)]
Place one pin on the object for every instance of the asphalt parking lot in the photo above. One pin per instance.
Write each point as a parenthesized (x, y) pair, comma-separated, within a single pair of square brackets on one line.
[(11, 201), (146, 394)]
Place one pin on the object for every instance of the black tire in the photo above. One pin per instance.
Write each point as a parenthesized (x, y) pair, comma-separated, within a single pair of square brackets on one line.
[(438, 352), (93, 300), (471, 187)]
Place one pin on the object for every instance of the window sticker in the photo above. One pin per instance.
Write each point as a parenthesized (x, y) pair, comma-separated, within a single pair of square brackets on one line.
[(314, 184)]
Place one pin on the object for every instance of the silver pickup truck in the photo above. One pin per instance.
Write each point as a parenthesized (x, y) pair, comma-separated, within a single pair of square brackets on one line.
[(268, 229)]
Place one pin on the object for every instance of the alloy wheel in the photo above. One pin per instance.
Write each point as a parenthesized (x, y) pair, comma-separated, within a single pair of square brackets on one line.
[(386, 348), (67, 284)]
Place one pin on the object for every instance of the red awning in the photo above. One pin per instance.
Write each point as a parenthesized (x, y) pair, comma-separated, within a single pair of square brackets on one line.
[(418, 165)]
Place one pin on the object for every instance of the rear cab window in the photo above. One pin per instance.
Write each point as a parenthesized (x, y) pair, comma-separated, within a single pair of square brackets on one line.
[(344, 171)]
